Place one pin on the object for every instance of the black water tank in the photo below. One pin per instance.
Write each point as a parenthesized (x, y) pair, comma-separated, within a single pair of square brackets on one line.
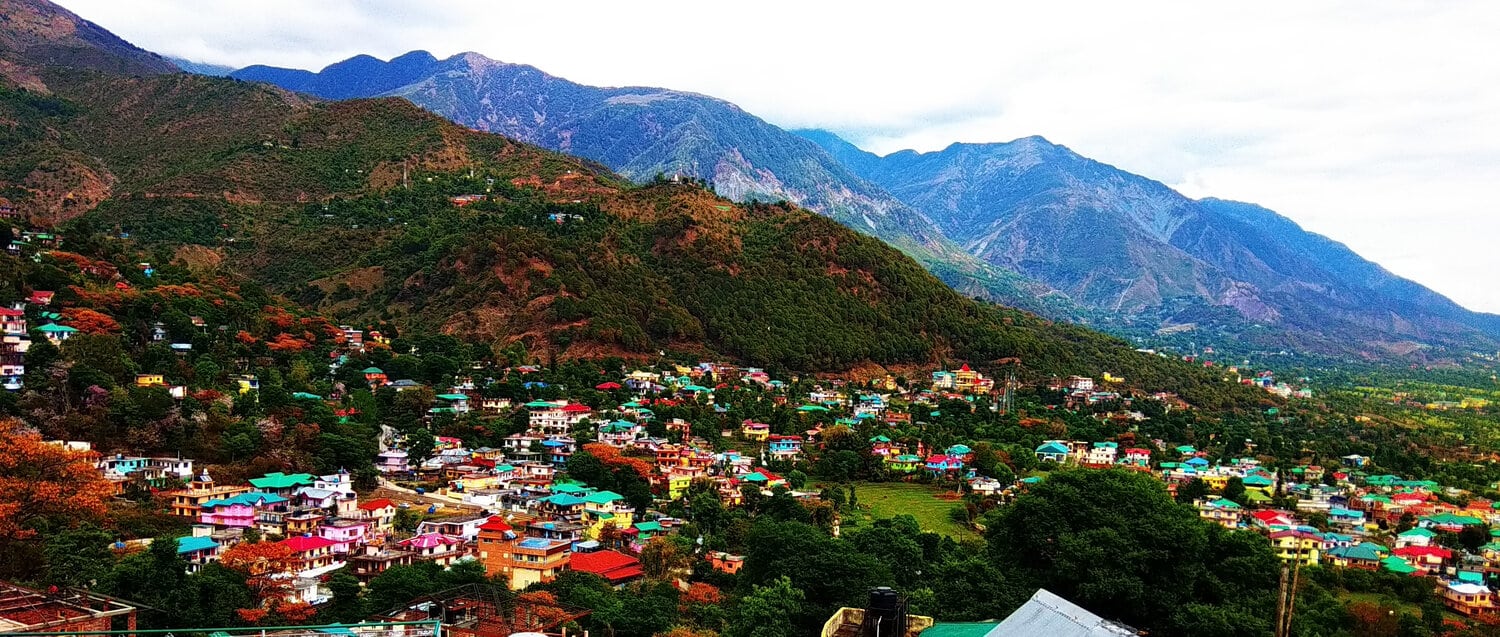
[(883, 602)]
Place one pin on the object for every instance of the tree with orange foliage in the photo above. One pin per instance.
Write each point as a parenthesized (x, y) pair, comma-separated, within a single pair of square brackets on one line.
[(90, 322), (40, 480), (287, 343), (542, 609), (267, 567)]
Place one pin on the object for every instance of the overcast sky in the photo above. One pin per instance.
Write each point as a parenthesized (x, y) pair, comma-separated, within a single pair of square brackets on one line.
[(1375, 123)]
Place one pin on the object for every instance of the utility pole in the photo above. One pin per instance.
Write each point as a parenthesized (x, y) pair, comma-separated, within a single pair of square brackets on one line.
[(1281, 601), (1291, 602)]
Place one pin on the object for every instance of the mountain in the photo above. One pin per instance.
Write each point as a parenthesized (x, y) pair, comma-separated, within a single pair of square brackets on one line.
[(36, 34), (645, 132), (201, 68), (346, 208), (1119, 242)]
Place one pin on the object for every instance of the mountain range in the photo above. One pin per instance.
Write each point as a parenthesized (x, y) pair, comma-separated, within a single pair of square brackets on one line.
[(1047, 222), (376, 212)]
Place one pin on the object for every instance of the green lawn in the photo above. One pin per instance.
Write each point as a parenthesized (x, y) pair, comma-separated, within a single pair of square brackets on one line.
[(888, 499)]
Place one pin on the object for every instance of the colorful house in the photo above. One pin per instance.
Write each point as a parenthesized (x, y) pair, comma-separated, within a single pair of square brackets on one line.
[(1429, 559), (1297, 545), (239, 511), (1053, 450), (903, 463), (1222, 511), (944, 465), (757, 431), (785, 448), (1468, 599), (1365, 556)]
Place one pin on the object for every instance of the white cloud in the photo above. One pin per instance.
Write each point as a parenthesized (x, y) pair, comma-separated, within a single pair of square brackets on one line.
[(1377, 124)]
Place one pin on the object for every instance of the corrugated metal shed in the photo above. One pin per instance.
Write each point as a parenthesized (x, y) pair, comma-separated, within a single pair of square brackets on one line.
[(1047, 615)]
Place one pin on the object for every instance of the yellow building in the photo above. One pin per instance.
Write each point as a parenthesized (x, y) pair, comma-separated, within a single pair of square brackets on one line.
[(1300, 546), (150, 380), (677, 485), (757, 431), (604, 508), (1223, 512)]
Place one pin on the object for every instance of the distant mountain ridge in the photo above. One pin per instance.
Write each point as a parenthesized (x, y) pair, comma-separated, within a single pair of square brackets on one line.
[(1120, 242), (644, 132), (38, 34)]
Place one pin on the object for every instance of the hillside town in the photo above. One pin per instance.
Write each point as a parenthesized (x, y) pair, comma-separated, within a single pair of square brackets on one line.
[(519, 510)]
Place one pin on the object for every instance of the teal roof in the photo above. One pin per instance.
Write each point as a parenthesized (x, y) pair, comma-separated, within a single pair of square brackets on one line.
[(563, 500), (958, 450), (193, 544), (279, 480), (1258, 481), (1422, 532), (452, 397), (602, 497), (302, 395), (252, 498), (1052, 447), (648, 527), (373, 370), (1397, 565), (57, 329), (539, 404), (812, 408), (960, 629), (1367, 552), (695, 388)]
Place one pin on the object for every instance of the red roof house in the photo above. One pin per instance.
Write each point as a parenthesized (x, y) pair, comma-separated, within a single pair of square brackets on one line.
[(614, 566)]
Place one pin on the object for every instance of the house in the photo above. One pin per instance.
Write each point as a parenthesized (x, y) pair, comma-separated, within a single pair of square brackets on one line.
[(1221, 511), (441, 549), (1136, 457), (556, 418), (198, 549), (375, 376), (348, 534), (1297, 545), (726, 562), (944, 465), (1052, 450), (1468, 599), (1365, 556), (903, 463), (243, 510), (57, 333), (313, 556), (518, 559), (619, 433), (1429, 559), (392, 461), (786, 448), (1415, 537), (380, 513), (282, 484), (371, 560), (756, 431), (464, 527), (1346, 518), (188, 502), (1103, 454), (452, 403), (615, 567)]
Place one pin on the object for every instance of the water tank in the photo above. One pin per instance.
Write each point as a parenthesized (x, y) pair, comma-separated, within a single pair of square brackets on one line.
[(884, 602)]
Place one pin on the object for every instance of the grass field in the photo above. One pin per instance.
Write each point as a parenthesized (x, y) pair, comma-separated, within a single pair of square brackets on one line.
[(889, 499)]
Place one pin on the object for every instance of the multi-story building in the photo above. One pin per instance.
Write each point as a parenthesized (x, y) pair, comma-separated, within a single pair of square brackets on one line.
[(188, 502)]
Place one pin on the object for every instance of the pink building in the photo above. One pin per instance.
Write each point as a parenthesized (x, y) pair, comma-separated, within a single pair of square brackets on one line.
[(239, 511), (435, 547), (348, 534)]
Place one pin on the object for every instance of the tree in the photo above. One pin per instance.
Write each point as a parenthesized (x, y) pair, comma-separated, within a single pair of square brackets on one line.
[(768, 611), (1114, 542), (662, 556), (419, 446), (44, 481), (265, 566), (346, 606), (796, 479), (1234, 490), (829, 571), (1191, 491), (78, 557)]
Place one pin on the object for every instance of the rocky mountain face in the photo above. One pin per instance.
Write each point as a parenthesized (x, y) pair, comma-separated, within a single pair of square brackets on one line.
[(1119, 242), (642, 133), (35, 34)]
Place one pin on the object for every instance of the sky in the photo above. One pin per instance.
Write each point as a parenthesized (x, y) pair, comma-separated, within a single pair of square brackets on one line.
[(1376, 123)]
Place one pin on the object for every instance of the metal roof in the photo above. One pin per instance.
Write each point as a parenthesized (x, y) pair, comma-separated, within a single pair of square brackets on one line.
[(1047, 615)]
